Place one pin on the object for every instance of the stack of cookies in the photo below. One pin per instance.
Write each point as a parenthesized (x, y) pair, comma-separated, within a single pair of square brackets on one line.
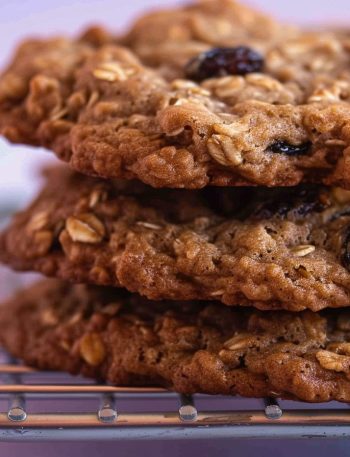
[(201, 238)]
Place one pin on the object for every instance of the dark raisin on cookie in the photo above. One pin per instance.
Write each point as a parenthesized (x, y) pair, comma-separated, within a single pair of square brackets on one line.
[(263, 203), (293, 203), (282, 147), (223, 62), (345, 255)]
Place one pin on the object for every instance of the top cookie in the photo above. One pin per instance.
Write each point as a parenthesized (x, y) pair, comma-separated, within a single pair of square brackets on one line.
[(189, 97)]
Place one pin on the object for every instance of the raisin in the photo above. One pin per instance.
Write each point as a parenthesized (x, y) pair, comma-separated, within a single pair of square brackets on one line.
[(340, 214), (223, 62), (345, 255), (282, 147), (294, 203)]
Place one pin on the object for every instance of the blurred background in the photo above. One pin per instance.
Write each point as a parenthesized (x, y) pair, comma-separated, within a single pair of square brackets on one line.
[(18, 182)]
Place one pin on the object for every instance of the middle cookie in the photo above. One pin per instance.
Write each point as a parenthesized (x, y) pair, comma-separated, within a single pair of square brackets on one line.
[(277, 249)]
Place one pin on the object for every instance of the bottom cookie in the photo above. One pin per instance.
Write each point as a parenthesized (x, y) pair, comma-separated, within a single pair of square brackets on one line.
[(190, 347)]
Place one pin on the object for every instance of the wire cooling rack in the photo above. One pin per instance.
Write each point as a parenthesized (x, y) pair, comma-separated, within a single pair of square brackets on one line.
[(43, 406), (39, 406)]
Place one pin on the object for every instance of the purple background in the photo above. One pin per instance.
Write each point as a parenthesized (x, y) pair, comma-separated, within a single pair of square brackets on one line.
[(19, 18)]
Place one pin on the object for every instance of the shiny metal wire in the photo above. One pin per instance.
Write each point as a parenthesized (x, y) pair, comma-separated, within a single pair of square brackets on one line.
[(20, 386)]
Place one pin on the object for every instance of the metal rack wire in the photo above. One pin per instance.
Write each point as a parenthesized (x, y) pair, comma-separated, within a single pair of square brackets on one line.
[(163, 414)]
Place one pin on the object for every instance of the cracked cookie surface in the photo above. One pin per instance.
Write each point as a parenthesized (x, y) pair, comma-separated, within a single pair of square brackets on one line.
[(190, 347), (123, 107), (270, 248)]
